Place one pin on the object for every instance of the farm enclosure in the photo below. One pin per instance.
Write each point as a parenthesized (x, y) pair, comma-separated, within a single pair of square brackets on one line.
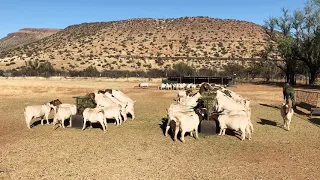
[(138, 150)]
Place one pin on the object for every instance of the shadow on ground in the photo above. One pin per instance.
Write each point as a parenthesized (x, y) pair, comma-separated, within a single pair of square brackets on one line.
[(296, 110), (163, 125), (280, 84), (267, 122), (38, 122), (315, 121), (171, 130)]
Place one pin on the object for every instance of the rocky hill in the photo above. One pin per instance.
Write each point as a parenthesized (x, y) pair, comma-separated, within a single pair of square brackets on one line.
[(141, 44), (24, 36)]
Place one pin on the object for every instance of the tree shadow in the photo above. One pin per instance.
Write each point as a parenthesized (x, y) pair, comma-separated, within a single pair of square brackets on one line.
[(296, 110), (315, 121), (280, 84)]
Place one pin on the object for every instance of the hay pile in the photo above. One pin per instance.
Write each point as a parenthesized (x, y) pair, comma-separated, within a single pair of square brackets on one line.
[(209, 99), (84, 102)]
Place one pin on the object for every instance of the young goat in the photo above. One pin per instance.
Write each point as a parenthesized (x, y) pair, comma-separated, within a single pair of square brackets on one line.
[(287, 113)]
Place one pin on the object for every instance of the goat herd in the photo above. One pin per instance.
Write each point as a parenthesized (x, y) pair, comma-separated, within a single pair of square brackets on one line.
[(110, 104), (229, 110)]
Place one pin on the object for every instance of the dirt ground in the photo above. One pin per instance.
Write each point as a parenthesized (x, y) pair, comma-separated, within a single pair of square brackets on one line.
[(139, 150)]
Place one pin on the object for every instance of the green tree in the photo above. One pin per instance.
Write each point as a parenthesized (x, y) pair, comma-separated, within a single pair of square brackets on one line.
[(234, 69), (91, 71), (298, 39), (183, 69), (280, 44)]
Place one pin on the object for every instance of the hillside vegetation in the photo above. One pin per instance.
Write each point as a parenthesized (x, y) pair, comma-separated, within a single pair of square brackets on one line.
[(143, 44), (24, 36)]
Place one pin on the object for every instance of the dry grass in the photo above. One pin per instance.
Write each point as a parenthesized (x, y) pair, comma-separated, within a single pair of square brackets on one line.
[(138, 149)]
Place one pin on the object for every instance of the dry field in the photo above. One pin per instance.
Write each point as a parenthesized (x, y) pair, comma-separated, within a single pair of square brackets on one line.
[(138, 150)]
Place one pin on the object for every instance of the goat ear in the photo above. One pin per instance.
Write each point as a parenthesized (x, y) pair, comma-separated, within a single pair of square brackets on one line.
[(167, 111)]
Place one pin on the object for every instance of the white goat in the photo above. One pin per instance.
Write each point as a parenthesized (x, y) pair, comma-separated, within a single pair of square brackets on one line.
[(234, 96), (182, 96), (144, 85), (94, 115), (72, 106), (122, 105), (192, 101), (286, 113), (113, 112), (163, 86), (37, 111), (224, 102), (185, 121), (125, 99), (235, 122), (62, 113), (104, 101)]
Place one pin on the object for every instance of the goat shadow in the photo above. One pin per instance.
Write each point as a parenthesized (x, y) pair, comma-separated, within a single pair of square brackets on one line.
[(77, 122), (38, 122), (267, 122), (163, 126), (268, 105), (164, 122), (270, 123), (129, 115)]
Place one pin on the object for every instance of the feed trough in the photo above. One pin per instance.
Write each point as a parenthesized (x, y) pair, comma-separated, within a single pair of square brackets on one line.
[(209, 127), (209, 124), (82, 102)]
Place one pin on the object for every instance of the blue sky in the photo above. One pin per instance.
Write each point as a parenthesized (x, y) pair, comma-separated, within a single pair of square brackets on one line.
[(18, 14)]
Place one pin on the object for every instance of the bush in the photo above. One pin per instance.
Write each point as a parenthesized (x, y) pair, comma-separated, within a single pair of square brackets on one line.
[(182, 69)]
